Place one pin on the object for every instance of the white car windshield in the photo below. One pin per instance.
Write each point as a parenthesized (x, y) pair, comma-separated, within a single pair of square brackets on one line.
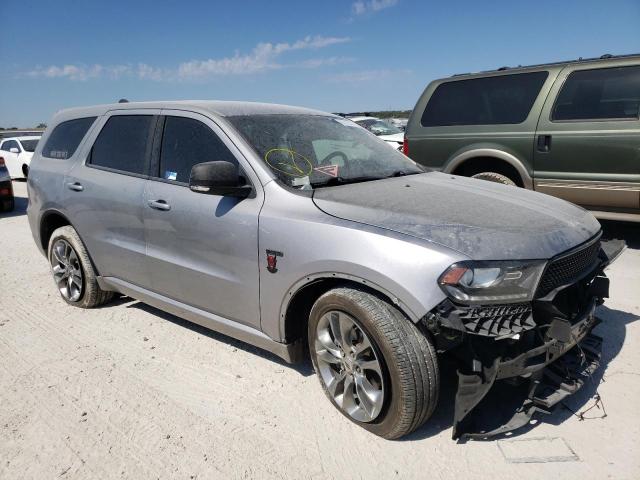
[(29, 145), (378, 127), (312, 151)]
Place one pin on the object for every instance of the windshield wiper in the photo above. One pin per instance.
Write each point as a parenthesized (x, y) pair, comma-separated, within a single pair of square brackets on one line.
[(333, 181), (401, 173)]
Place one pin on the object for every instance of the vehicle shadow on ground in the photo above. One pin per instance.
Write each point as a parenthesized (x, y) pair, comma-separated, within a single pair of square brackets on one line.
[(305, 368), (627, 231), (20, 208)]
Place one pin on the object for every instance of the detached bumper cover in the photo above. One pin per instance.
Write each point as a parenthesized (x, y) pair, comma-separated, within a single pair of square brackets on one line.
[(547, 375)]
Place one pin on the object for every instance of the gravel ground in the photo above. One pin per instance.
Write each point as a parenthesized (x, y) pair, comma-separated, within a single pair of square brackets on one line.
[(129, 391)]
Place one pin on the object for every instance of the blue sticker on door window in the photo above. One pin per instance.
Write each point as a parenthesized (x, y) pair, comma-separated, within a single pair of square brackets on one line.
[(169, 175)]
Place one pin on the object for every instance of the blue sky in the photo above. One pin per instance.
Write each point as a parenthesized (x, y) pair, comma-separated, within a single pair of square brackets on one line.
[(332, 55)]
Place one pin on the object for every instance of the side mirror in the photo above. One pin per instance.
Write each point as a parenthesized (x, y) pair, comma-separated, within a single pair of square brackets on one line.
[(218, 178), (14, 150)]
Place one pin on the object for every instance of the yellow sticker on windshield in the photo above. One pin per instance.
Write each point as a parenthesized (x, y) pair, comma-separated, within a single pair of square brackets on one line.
[(288, 162)]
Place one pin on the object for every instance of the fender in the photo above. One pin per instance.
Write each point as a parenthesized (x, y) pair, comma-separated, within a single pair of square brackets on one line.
[(457, 160), (308, 279)]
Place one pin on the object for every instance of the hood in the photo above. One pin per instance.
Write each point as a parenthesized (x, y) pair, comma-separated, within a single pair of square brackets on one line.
[(396, 137), (483, 220)]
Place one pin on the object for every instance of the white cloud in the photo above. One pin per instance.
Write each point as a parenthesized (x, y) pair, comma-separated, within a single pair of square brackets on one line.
[(262, 58), (81, 72), (325, 62), (362, 7), (365, 76)]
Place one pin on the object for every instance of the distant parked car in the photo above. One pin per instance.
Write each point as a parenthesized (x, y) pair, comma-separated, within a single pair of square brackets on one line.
[(400, 123), (386, 131), (17, 153), (7, 202), (569, 129)]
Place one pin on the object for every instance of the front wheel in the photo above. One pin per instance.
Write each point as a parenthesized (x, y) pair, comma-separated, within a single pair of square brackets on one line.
[(375, 366)]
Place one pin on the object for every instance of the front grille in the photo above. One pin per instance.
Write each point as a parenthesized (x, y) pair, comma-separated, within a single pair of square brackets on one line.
[(568, 267), (497, 320)]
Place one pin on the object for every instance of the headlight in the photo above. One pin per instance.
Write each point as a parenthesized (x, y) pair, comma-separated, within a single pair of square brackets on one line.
[(492, 281)]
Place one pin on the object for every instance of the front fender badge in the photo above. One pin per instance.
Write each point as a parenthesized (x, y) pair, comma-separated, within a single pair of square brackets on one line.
[(272, 260)]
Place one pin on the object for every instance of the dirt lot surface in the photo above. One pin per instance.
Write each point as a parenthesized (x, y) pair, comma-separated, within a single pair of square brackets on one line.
[(129, 391)]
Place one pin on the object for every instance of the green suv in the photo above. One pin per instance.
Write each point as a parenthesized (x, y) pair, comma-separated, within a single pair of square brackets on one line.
[(570, 129)]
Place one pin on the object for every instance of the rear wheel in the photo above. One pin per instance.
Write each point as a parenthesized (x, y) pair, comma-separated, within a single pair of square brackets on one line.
[(374, 365), (494, 177), (73, 271)]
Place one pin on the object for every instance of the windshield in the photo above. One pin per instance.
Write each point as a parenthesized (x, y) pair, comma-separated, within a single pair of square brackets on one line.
[(29, 145), (379, 127), (312, 151)]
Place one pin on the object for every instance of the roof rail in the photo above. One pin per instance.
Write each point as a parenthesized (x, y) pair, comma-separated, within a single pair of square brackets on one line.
[(606, 56)]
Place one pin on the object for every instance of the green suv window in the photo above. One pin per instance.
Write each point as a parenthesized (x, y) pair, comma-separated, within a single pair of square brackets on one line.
[(605, 93), (503, 99)]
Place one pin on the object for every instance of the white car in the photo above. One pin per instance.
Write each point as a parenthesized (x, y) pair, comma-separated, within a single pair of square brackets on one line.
[(17, 153), (401, 123), (383, 129)]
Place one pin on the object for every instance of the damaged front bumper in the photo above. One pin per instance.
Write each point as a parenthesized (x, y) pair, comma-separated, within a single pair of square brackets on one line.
[(518, 360), (543, 376)]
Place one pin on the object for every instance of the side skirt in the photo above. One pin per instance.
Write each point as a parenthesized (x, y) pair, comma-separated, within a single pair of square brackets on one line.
[(289, 352)]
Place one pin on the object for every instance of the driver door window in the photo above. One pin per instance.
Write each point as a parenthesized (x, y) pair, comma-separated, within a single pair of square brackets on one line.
[(185, 143)]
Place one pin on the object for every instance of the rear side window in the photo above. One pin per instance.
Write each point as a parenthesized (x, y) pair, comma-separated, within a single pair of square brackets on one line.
[(65, 138), (606, 93), (123, 143), (504, 99), (186, 142)]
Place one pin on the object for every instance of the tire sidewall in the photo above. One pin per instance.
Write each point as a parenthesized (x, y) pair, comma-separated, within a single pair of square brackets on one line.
[(495, 178), (391, 408), (64, 234)]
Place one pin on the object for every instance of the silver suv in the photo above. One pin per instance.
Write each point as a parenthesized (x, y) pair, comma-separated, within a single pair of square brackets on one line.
[(297, 230)]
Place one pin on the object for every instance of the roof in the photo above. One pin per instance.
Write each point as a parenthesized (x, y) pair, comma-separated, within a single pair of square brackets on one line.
[(20, 133), (600, 59), (24, 137), (218, 107), (359, 119)]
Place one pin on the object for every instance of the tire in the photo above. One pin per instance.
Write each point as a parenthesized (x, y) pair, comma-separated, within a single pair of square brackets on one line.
[(90, 294), (25, 170), (494, 177), (409, 365)]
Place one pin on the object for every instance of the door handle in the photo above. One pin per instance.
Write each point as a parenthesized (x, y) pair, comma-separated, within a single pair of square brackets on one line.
[(75, 186), (544, 143), (159, 205)]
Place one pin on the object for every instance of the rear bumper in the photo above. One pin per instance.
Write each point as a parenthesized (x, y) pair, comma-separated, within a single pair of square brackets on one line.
[(6, 195)]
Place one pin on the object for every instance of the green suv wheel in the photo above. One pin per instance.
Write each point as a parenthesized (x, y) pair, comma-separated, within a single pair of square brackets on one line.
[(494, 177)]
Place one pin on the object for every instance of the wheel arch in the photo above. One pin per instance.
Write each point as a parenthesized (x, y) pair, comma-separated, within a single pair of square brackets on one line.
[(296, 306), (49, 222), (463, 160)]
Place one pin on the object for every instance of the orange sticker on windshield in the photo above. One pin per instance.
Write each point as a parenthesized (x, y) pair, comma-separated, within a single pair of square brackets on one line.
[(331, 170)]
